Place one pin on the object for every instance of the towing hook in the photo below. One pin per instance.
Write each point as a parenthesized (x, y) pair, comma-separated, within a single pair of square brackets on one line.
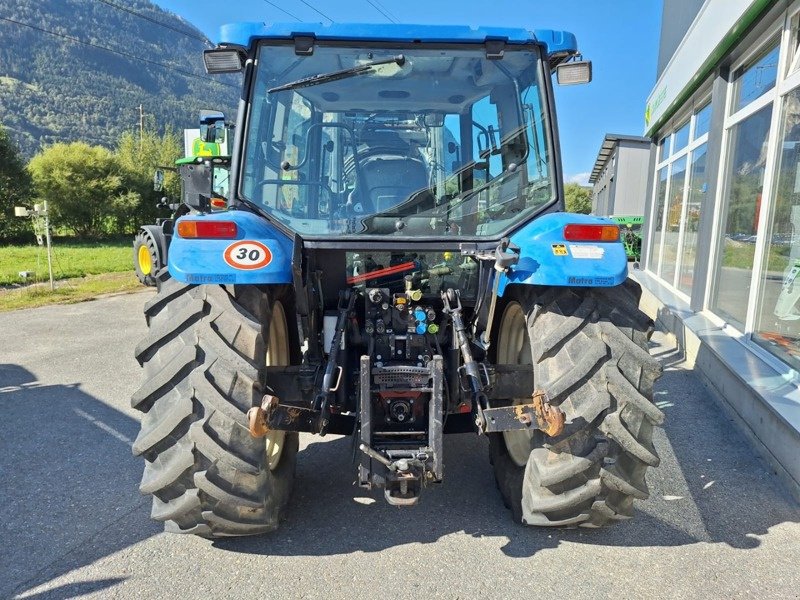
[(258, 416)]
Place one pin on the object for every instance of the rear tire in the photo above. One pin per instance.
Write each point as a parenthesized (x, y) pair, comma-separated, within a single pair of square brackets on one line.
[(146, 258), (588, 351), (204, 362)]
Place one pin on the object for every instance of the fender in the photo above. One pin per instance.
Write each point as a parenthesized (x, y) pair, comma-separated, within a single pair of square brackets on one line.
[(203, 260), (546, 258)]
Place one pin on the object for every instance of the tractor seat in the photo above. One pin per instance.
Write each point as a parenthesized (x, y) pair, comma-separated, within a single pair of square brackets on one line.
[(386, 181)]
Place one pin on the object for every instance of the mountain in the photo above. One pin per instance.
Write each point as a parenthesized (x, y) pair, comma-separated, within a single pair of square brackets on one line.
[(53, 89)]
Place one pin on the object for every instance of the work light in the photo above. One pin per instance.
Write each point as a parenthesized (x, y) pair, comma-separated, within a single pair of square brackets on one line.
[(223, 60), (574, 72)]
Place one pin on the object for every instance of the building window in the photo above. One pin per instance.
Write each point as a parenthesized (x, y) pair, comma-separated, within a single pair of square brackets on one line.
[(744, 186), (696, 195), (755, 80), (658, 219), (673, 219), (778, 325), (702, 122), (794, 46), (747, 141), (663, 149), (680, 138), (676, 206)]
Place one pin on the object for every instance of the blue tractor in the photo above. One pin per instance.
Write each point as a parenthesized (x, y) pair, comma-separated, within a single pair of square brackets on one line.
[(395, 265)]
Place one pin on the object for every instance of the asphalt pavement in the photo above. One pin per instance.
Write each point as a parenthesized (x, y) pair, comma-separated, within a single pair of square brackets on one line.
[(72, 523)]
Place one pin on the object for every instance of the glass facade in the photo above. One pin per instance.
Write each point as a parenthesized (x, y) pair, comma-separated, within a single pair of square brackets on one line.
[(726, 237)]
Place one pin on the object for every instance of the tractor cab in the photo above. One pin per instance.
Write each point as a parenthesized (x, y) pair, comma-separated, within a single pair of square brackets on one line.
[(366, 138)]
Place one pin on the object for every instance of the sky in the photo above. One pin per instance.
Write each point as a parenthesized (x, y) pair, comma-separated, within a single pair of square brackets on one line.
[(620, 37)]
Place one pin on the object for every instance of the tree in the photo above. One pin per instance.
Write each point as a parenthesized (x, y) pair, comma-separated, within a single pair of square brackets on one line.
[(14, 190), (80, 184), (577, 199), (138, 159)]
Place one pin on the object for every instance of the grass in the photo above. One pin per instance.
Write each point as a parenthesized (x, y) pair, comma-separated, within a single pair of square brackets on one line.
[(70, 260), (84, 270), (68, 291)]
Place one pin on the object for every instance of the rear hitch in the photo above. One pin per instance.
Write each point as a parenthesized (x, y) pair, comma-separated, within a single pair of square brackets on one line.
[(403, 483), (257, 417), (274, 416), (452, 307), (333, 372), (539, 414)]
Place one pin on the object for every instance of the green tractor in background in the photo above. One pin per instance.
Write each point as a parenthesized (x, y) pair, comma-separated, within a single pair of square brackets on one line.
[(631, 235), (204, 173)]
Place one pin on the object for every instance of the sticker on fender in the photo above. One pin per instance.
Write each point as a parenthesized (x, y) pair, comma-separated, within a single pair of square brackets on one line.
[(247, 255), (586, 251)]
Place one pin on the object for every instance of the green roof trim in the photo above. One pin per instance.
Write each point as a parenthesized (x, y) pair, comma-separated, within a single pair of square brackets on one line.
[(750, 16)]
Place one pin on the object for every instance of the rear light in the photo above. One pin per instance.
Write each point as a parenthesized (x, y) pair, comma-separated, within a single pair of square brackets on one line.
[(218, 203), (591, 233), (207, 229)]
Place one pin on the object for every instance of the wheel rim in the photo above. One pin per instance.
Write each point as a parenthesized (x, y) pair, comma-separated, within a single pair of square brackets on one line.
[(277, 356), (145, 260), (513, 348)]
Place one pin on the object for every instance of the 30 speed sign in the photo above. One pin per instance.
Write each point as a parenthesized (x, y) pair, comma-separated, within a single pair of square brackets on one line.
[(247, 255)]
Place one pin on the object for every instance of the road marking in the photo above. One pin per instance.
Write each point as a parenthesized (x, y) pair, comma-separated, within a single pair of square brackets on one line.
[(107, 428)]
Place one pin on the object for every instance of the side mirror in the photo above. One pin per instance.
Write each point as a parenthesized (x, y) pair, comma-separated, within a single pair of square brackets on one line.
[(158, 180), (212, 125), (573, 73)]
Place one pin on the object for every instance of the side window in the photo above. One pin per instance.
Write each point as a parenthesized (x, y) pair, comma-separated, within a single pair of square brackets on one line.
[(486, 143), (538, 160)]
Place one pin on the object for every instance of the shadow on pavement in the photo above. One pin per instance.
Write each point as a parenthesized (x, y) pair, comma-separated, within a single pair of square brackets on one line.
[(75, 590), (69, 484)]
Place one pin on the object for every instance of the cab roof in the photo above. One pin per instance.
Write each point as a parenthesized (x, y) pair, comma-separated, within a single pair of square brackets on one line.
[(556, 43)]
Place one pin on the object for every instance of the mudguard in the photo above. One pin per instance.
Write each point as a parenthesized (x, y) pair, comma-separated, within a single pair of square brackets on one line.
[(213, 260), (546, 258)]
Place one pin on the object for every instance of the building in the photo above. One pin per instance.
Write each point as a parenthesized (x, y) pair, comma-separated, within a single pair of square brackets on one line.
[(619, 176), (721, 255)]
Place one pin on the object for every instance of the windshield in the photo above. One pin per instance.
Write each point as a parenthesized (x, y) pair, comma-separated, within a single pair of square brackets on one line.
[(443, 142)]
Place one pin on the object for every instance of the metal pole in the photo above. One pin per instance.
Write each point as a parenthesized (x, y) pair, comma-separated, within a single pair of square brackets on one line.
[(49, 251)]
